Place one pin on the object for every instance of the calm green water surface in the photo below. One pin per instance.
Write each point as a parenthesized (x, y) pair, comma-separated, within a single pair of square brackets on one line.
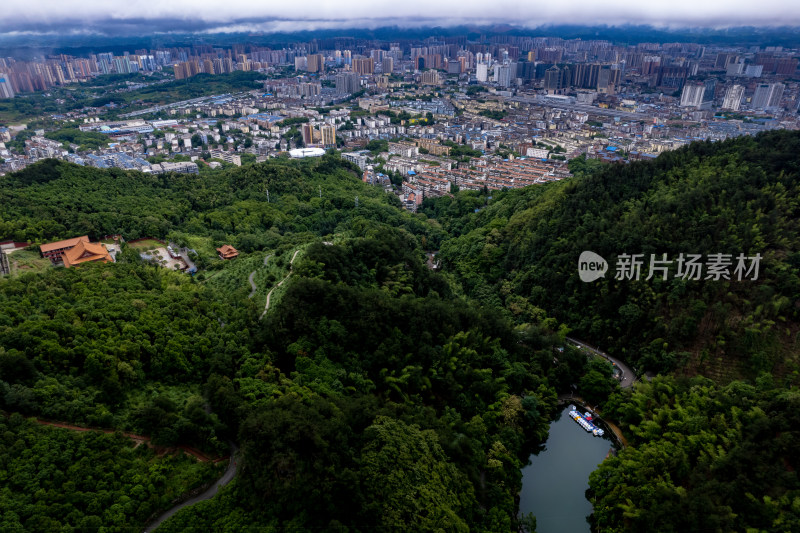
[(554, 484)]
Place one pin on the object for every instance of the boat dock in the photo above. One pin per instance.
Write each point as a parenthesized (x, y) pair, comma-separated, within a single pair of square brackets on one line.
[(585, 421)]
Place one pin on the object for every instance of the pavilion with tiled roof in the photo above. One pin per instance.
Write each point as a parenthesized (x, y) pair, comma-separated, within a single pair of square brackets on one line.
[(226, 251)]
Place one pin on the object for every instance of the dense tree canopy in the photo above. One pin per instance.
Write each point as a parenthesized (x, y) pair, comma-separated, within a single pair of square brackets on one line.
[(702, 458), (366, 361), (56, 479), (739, 196), (376, 393)]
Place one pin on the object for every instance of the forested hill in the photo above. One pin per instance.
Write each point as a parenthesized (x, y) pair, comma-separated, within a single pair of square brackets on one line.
[(248, 207), (368, 396), (739, 196), (371, 395)]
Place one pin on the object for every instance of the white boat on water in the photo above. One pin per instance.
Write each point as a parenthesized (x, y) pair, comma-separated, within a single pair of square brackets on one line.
[(585, 421)]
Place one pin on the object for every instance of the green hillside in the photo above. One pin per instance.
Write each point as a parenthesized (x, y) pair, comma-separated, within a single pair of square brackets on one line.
[(375, 393), (521, 251), (369, 395)]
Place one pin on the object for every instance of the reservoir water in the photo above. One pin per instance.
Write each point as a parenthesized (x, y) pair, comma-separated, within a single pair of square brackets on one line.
[(554, 484)]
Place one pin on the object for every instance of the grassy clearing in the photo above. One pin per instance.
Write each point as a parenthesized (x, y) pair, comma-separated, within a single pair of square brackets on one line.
[(148, 244), (204, 246), (22, 261), (232, 279)]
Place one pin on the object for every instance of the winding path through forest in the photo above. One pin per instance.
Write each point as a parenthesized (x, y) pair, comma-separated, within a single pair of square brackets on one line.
[(269, 294), (230, 472), (252, 275), (252, 284), (209, 493), (139, 439)]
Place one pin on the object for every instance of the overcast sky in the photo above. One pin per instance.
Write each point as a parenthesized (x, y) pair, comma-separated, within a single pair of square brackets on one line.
[(151, 16)]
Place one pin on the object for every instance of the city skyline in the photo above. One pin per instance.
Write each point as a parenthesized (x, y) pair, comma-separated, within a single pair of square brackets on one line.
[(199, 16)]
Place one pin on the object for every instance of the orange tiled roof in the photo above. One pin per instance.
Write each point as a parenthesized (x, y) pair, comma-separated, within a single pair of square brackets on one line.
[(226, 251), (85, 252), (63, 244)]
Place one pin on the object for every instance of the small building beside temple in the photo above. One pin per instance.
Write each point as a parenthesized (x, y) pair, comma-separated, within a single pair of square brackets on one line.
[(226, 251)]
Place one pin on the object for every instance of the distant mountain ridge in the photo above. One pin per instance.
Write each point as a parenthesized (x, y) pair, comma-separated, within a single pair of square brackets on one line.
[(130, 36)]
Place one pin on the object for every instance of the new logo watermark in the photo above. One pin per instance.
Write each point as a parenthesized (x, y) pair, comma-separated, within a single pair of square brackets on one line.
[(716, 267), (591, 266)]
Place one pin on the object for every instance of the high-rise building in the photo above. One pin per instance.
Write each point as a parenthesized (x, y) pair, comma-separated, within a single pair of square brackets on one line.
[(308, 134), (59, 74), (347, 83), (725, 59), (387, 65), (217, 67), (786, 66), (753, 71), (430, 77), (650, 65), (526, 70), (768, 96), (6, 90), (692, 95), (735, 69), (761, 96), (708, 93), (502, 75), (554, 80), (315, 63), (328, 132), (733, 97), (364, 66), (775, 96), (482, 72)]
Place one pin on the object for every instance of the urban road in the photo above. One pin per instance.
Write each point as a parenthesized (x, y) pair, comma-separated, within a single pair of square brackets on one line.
[(585, 108)]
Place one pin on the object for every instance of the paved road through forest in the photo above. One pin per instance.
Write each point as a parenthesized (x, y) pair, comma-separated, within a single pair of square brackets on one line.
[(628, 377), (209, 493)]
